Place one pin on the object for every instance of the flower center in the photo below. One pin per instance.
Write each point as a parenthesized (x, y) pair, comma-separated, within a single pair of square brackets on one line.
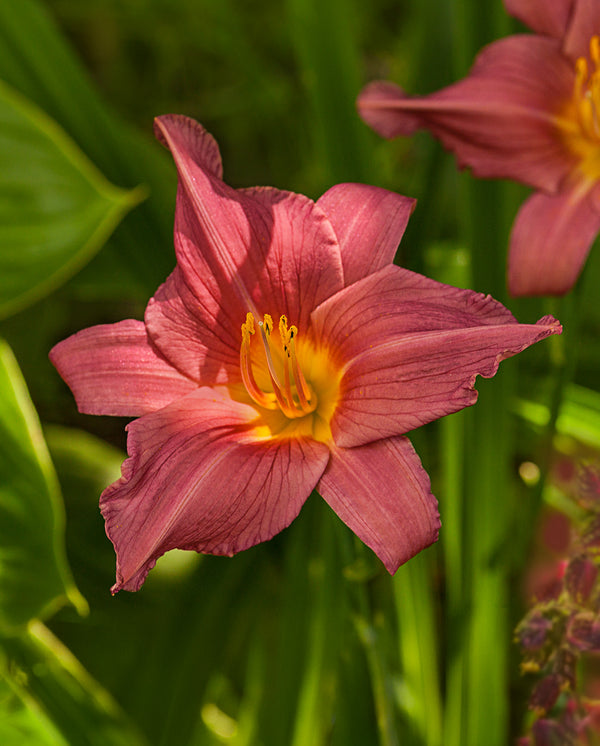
[(587, 92), (288, 388), (297, 389)]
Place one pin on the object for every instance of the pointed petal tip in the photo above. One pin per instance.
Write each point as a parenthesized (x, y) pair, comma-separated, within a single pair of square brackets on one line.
[(187, 138), (554, 325), (385, 107), (393, 564), (383, 494)]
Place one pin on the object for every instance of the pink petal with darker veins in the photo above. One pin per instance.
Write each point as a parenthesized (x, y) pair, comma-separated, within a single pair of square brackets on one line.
[(191, 337), (369, 223), (259, 250), (550, 241), (544, 16), (410, 349), (199, 478), (383, 494), (113, 369), (499, 120), (396, 302), (584, 23)]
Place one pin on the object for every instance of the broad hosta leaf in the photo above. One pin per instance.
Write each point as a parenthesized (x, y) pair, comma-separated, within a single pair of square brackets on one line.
[(37, 61), (34, 576), (56, 208)]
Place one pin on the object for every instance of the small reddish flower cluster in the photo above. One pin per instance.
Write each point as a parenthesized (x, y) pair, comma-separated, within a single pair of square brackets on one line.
[(560, 628)]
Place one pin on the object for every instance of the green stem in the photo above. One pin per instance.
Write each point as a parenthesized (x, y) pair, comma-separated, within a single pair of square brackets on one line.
[(415, 609), (314, 707), (370, 635)]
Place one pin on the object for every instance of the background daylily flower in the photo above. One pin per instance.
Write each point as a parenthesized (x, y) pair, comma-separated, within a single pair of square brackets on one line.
[(285, 353), (529, 111)]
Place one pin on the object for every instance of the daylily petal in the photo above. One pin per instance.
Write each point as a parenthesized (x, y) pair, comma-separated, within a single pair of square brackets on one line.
[(260, 250), (396, 302), (544, 16), (584, 23), (411, 348), (369, 223), (383, 494), (499, 121), (179, 328), (303, 265), (200, 476), (550, 240), (113, 369)]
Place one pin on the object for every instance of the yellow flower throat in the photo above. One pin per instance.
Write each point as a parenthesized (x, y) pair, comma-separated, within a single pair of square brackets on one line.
[(302, 387)]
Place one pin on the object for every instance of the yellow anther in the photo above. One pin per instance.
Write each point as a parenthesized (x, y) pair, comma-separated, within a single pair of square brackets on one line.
[(284, 332), (248, 327), (289, 390)]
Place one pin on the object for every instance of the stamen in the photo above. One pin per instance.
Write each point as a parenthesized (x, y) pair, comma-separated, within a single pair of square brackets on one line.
[(300, 381), (257, 394), (581, 75), (286, 405), (283, 394), (284, 335), (586, 91)]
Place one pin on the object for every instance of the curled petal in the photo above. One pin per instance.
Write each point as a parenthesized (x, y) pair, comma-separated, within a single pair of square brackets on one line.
[(201, 476), (369, 223), (245, 250), (550, 241), (383, 494), (501, 120), (410, 350), (113, 369), (544, 16), (200, 145)]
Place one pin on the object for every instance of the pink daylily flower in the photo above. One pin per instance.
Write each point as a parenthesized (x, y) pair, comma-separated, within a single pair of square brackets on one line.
[(285, 353), (529, 110)]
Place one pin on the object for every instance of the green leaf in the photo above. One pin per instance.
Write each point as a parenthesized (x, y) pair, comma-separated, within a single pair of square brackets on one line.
[(34, 575), (24, 726), (37, 61), (579, 415), (56, 208), (50, 681)]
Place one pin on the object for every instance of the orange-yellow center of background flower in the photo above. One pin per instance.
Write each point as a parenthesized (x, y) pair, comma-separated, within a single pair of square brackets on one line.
[(295, 383), (580, 119)]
